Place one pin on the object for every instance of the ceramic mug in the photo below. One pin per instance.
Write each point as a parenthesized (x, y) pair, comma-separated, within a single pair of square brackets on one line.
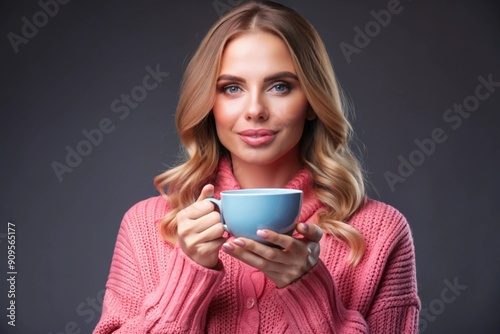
[(245, 211)]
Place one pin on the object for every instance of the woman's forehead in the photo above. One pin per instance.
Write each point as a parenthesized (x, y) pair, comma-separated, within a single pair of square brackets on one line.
[(260, 52)]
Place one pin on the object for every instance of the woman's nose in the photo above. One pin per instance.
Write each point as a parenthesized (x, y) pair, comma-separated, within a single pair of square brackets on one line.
[(256, 108)]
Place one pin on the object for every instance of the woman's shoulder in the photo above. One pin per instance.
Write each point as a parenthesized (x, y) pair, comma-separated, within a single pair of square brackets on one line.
[(139, 236), (373, 207), (155, 206), (145, 213), (378, 219)]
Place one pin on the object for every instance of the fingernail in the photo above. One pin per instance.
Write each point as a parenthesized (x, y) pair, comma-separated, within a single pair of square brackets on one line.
[(239, 242), (304, 226), (263, 234), (228, 247)]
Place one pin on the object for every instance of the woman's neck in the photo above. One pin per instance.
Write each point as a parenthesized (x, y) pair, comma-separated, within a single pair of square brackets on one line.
[(274, 175)]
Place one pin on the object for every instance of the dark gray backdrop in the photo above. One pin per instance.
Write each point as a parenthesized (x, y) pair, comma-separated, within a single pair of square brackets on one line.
[(67, 70)]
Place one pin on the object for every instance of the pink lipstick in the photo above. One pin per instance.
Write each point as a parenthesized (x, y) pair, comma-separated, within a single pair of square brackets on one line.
[(257, 137)]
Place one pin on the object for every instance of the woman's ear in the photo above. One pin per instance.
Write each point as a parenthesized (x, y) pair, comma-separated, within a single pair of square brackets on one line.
[(310, 114)]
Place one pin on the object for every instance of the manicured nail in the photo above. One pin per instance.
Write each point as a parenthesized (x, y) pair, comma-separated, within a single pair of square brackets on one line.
[(304, 226), (228, 247), (239, 242), (263, 234)]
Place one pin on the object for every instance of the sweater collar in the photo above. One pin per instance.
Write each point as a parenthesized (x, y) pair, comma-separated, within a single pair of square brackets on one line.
[(225, 180)]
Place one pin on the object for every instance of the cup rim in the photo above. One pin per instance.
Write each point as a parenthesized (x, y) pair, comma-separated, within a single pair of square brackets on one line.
[(261, 191)]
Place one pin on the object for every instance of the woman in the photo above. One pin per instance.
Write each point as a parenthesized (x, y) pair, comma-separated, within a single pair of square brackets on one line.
[(260, 107)]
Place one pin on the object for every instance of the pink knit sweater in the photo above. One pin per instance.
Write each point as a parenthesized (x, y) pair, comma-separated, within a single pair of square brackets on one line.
[(153, 287)]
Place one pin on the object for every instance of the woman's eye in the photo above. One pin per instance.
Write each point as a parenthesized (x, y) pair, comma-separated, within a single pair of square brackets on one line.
[(231, 89), (281, 88)]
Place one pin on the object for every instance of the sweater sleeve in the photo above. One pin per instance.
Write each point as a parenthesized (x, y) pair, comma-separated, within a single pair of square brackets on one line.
[(179, 303), (314, 305), (396, 306)]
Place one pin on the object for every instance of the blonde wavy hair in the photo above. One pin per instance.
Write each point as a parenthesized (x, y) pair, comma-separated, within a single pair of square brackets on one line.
[(324, 149)]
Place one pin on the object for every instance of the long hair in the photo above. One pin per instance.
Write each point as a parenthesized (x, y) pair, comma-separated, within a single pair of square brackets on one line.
[(324, 146)]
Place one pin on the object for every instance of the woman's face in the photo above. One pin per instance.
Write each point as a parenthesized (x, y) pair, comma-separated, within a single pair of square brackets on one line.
[(260, 108)]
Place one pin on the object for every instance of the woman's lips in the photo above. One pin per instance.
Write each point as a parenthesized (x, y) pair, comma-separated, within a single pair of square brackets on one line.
[(257, 137)]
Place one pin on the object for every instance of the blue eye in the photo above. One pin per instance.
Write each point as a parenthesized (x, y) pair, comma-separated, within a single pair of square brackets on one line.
[(231, 89), (281, 88)]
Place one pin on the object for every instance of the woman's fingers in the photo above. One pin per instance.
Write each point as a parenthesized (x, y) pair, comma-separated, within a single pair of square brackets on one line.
[(206, 192), (197, 217), (200, 231), (284, 264), (313, 233), (207, 230), (310, 231), (255, 254)]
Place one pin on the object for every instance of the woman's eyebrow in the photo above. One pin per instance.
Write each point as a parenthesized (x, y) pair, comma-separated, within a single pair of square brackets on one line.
[(281, 75), (272, 77), (229, 77)]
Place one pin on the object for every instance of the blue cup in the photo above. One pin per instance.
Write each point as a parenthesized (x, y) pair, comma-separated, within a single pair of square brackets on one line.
[(245, 211)]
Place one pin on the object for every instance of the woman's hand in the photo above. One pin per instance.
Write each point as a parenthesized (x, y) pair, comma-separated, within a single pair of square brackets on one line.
[(200, 231), (282, 265)]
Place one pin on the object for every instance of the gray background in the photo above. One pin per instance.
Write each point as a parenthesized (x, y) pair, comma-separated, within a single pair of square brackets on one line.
[(65, 78)]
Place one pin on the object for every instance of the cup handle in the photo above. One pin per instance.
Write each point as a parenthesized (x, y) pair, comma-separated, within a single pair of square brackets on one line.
[(219, 204)]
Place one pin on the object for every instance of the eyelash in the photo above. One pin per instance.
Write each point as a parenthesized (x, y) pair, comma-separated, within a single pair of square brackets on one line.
[(287, 86)]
